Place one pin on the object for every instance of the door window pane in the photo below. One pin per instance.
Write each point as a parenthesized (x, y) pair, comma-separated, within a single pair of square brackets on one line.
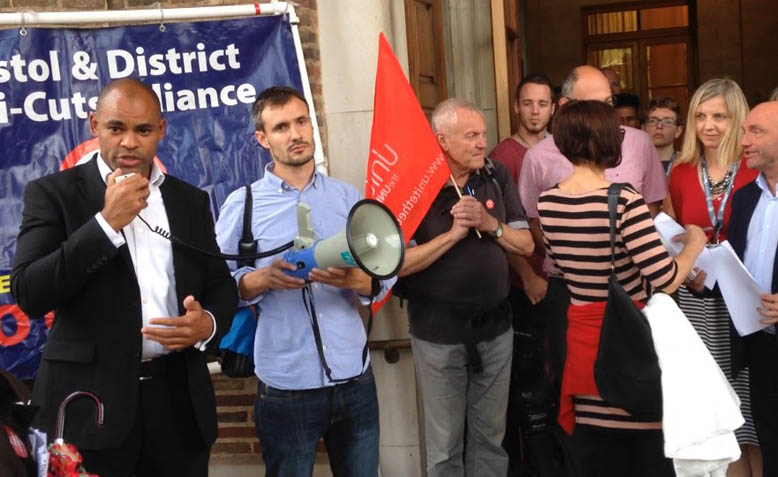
[(619, 60), (667, 64), (612, 22), (665, 17)]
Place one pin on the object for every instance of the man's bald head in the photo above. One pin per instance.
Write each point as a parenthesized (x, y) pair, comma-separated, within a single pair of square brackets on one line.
[(131, 88), (760, 139), (128, 125), (585, 83)]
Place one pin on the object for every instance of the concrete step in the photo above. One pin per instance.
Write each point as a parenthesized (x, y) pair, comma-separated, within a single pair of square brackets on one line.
[(252, 466)]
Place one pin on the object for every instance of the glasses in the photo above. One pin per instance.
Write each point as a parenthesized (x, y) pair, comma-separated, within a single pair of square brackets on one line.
[(666, 122)]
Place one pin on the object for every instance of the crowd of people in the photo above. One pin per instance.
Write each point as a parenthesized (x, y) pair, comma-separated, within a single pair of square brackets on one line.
[(562, 180), (505, 281)]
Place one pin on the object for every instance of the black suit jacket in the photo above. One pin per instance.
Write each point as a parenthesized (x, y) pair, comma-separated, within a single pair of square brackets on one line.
[(743, 205), (65, 262)]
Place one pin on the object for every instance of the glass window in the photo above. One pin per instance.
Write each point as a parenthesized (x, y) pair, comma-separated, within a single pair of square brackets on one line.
[(612, 22), (619, 60), (665, 17)]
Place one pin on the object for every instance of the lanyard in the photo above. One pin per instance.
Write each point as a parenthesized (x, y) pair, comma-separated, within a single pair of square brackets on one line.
[(670, 164), (717, 221)]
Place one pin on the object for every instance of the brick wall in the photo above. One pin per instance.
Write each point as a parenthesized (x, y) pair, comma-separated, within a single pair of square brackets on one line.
[(235, 411), (234, 397)]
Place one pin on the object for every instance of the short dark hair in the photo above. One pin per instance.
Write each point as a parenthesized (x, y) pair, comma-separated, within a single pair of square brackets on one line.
[(535, 78), (126, 85), (626, 99), (273, 96), (665, 102), (589, 131)]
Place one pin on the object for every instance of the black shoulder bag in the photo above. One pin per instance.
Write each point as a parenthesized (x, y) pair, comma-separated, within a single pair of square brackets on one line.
[(626, 369), (237, 346)]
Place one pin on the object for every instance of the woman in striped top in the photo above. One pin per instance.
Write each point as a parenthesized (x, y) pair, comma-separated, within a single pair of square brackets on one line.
[(574, 219)]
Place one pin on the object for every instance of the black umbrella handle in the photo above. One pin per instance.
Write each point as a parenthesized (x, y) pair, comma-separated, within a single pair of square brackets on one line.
[(64, 405)]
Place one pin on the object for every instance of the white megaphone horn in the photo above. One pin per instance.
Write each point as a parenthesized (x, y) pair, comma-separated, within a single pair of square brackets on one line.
[(372, 241)]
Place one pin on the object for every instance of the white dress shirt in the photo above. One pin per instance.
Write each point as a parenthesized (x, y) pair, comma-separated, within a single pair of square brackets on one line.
[(152, 259), (762, 239)]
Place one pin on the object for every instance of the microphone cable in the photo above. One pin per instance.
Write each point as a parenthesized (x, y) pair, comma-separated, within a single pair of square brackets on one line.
[(177, 241)]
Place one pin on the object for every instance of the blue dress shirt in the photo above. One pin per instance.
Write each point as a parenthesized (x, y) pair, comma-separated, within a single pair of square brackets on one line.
[(285, 353), (762, 239)]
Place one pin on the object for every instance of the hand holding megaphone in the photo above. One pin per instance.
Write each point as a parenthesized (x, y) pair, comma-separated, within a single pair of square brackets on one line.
[(345, 278), (372, 241)]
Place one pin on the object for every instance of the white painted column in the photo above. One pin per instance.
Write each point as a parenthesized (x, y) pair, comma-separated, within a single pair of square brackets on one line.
[(348, 47)]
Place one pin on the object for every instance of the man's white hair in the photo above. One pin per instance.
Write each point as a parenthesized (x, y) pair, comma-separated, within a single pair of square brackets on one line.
[(445, 114)]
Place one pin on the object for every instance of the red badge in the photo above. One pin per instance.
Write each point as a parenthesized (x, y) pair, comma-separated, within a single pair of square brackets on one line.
[(16, 443), (489, 204)]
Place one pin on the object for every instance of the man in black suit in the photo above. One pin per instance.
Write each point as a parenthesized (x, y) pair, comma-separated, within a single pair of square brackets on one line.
[(132, 311), (753, 235)]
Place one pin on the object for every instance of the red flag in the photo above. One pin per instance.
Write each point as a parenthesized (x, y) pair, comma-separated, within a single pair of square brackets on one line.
[(406, 168)]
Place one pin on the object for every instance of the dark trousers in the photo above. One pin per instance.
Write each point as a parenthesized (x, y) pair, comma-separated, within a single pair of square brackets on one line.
[(290, 423), (605, 452), (538, 359), (165, 440), (763, 351)]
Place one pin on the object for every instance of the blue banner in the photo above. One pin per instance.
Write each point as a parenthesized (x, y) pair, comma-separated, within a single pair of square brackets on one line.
[(206, 74)]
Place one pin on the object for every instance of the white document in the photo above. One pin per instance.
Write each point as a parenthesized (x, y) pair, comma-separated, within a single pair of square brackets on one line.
[(669, 228), (739, 289)]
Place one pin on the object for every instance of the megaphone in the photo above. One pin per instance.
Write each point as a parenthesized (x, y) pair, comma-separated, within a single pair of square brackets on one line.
[(372, 241)]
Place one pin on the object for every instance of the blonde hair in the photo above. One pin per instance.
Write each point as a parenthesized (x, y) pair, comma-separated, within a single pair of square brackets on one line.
[(737, 108)]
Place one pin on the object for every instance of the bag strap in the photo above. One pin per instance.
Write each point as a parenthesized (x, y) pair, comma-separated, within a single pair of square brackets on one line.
[(614, 191), (246, 243), (489, 170), (310, 306)]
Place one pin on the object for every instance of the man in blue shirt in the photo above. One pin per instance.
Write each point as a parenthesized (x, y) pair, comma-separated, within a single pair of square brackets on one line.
[(753, 236), (297, 402)]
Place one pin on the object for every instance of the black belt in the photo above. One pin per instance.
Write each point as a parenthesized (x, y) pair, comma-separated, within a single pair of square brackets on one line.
[(160, 366)]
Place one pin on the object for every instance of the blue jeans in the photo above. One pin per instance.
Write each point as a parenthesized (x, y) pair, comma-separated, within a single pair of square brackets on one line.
[(290, 423)]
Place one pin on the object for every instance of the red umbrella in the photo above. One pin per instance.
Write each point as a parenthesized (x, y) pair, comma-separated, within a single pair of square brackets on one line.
[(64, 458)]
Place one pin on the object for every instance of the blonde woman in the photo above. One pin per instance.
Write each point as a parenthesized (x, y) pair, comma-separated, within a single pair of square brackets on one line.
[(705, 175)]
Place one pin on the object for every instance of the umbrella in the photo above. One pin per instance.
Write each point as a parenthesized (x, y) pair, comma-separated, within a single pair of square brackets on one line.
[(64, 458), (15, 416)]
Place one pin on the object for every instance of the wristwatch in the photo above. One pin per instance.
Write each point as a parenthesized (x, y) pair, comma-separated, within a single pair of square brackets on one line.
[(498, 231)]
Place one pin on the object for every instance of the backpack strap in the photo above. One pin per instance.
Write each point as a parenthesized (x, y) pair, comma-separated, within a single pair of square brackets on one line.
[(614, 191), (489, 171), (246, 244)]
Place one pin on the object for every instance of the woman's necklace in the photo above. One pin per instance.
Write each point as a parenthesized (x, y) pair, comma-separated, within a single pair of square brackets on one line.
[(717, 187)]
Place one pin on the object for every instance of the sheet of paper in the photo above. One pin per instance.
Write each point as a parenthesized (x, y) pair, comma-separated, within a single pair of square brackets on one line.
[(739, 289), (669, 228)]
